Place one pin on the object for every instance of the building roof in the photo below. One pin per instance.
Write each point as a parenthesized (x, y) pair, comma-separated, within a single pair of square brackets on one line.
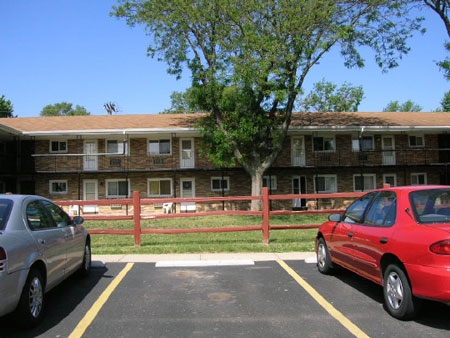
[(114, 124)]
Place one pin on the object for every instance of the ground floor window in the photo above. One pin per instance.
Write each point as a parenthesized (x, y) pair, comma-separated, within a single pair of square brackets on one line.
[(364, 182), (58, 187), (117, 188), (418, 178), (220, 183), (270, 182), (159, 187), (390, 179), (325, 183)]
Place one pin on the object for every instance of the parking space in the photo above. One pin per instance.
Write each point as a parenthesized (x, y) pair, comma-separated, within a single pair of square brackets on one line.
[(260, 299)]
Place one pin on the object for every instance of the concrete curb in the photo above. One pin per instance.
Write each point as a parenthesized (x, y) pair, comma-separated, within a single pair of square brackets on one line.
[(263, 256)]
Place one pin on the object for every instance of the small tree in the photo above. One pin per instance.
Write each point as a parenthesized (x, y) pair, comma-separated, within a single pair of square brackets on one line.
[(63, 109), (6, 107), (407, 106), (445, 102), (327, 97)]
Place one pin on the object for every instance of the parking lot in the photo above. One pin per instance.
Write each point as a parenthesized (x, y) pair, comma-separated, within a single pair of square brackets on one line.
[(240, 298)]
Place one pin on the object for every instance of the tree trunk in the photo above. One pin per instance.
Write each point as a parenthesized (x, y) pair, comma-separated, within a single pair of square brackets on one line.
[(257, 180)]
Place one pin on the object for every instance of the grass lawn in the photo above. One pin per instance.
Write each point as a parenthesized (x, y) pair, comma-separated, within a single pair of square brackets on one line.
[(247, 241)]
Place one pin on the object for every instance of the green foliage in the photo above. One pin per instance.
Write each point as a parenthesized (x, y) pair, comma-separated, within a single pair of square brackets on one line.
[(63, 109), (407, 106), (249, 59), (327, 97), (6, 107), (445, 102)]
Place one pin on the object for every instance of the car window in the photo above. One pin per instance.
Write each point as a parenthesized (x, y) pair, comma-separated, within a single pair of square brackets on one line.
[(355, 212), (5, 209), (59, 216), (38, 218), (431, 205), (382, 211)]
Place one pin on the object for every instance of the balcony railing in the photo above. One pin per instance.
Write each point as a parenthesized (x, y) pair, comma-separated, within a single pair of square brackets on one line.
[(138, 162)]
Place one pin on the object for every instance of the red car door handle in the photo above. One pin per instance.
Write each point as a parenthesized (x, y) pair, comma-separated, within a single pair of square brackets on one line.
[(383, 240), (350, 234)]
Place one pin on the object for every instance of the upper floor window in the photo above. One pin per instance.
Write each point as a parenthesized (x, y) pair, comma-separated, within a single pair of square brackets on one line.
[(117, 188), (159, 187), (58, 187), (116, 147), (159, 147), (416, 141), (325, 183), (220, 183), (418, 178), (324, 143), (364, 143), (270, 182), (58, 146), (365, 182)]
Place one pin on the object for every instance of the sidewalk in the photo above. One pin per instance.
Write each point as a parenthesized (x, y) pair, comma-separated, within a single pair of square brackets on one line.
[(263, 256)]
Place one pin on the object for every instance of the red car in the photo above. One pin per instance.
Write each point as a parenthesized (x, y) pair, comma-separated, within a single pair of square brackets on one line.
[(397, 237)]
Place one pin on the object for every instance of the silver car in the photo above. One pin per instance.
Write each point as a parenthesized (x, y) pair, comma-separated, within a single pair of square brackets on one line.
[(40, 246)]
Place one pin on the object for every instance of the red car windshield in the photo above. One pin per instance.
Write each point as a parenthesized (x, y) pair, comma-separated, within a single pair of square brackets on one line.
[(5, 209), (431, 206)]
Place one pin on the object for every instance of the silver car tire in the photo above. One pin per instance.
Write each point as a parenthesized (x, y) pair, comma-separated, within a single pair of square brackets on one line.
[(87, 257), (398, 297), (30, 309), (324, 263)]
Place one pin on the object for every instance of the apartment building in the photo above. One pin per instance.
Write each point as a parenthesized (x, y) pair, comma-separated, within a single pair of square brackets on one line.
[(108, 157)]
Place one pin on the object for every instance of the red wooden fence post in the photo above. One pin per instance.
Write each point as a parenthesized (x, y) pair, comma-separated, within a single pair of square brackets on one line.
[(137, 218), (265, 213)]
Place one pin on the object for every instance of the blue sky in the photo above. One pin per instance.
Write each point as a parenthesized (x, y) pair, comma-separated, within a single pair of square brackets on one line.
[(73, 51)]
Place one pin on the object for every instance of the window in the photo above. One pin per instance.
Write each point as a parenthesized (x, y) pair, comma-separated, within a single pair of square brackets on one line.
[(418, 178), (355, 212), (321, 143), (416, 141), (159, 147), (382, 211), (58, 187), (159, 187), (116, 147), (270, 182), (117, 188), (325, 183), (390, 179), (58, 146), (366, 143), (220, 183), (364, 183)]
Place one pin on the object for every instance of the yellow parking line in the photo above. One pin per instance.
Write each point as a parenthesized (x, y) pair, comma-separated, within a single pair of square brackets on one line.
[(356, 331), (96, 307)]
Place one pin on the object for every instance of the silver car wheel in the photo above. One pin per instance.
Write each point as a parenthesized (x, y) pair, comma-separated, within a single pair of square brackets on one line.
[(36, 297), (321, 254), (394, 290)]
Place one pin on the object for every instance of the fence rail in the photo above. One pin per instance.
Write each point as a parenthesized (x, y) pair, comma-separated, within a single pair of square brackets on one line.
[(136, 203)]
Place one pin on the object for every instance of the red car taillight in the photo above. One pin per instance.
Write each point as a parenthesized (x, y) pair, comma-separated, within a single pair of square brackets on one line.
[(441, 248), (2, 259)]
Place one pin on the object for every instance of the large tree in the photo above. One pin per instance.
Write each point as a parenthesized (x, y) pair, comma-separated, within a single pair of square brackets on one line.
[(441, 8), (6, 107), (63, 109), (249, 59)]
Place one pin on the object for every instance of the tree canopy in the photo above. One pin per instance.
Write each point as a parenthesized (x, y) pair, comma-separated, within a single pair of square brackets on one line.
[(441, 8), (407, 106), (6, 107), (63, 109), (249, 59), (328, 97)]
